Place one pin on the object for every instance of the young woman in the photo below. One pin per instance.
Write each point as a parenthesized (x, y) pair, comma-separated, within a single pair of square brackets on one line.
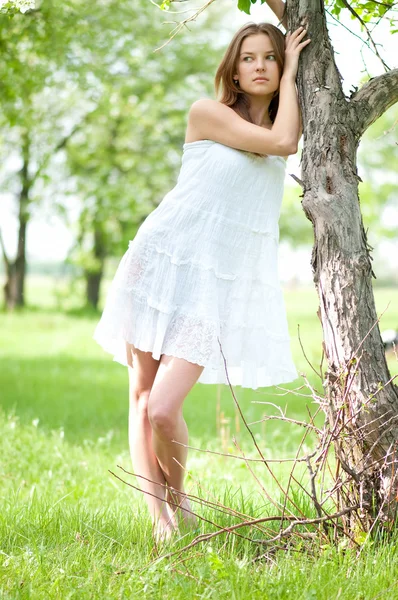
[(198, 285)]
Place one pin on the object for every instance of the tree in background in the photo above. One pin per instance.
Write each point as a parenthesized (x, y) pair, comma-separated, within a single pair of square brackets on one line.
[(25, 71), (40, 54), (70, 68)]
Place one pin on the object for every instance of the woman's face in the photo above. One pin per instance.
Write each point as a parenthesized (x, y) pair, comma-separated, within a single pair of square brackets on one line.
[(257, 70)]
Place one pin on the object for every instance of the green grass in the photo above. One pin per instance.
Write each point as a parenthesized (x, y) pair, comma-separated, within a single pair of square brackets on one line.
[(70, 529)]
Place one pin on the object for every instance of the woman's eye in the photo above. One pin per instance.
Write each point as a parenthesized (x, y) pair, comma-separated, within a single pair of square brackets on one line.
[(249, 58)]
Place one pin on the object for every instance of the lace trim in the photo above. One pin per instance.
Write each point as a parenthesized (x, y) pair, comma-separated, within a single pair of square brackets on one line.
[(192, 337)]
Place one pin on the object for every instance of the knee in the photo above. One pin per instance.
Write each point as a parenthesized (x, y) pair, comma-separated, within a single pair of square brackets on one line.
[(140, 399), (162, 421)]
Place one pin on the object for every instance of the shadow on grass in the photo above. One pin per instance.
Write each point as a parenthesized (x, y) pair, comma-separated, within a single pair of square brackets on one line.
[(88, 398), (86, 312)]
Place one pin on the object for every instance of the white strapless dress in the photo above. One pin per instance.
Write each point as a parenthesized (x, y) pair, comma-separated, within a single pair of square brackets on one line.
[(201, 274)]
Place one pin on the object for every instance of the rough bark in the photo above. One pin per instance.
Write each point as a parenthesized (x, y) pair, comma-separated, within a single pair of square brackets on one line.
[(372, 100), (360, 394)]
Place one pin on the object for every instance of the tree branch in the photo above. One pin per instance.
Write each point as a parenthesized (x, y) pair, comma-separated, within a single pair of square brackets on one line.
[(372, 100), (356, 15), (365, 42), (384, 3), (62, 143)]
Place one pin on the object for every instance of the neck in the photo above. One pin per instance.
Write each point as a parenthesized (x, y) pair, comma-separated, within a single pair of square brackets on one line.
[(258, 110)]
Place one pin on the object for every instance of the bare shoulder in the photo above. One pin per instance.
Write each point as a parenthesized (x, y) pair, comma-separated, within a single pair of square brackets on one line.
[(210, 110), (203, 115), (205, 106)]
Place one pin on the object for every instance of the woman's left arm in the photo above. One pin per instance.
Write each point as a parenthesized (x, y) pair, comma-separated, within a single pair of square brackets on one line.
[(278, 8)]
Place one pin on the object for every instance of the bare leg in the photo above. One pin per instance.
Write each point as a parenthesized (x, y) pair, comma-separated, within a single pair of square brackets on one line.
[(174, 379), (145, 463)]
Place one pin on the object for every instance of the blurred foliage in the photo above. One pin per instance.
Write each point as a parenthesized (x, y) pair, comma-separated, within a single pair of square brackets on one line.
[(378, 192), (104, 114), (369, 12), (129, 151), (293, 224), (377, 166)]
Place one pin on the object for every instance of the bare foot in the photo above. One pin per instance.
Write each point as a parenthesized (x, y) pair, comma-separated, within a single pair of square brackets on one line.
[(163, 530), (163, 524), (188, 519)]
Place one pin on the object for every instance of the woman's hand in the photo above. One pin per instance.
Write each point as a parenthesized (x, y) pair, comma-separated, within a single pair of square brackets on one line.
[(293, 47)]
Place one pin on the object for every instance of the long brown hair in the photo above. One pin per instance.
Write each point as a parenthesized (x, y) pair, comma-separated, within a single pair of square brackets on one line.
[(231, 94)]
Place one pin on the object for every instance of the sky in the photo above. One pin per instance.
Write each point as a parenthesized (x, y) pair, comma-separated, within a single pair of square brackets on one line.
[(49, 239)]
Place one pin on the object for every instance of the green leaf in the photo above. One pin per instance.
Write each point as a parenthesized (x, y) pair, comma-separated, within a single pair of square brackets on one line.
[(244, 6), (361, 537)]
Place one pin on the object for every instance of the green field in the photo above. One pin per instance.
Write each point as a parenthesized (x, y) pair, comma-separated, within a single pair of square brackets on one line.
[(70, 529)]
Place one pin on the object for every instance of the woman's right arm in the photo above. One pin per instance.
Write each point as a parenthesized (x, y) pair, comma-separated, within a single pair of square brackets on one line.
[(211, 120), (278, 7)]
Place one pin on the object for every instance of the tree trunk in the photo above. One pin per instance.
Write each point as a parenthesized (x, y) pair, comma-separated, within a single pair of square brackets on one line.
[(14, 288), (361, 399), (20, 261), (94, 276), (93, 281)]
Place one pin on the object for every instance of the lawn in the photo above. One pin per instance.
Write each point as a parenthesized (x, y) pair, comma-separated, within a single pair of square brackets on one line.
[(71, 529)]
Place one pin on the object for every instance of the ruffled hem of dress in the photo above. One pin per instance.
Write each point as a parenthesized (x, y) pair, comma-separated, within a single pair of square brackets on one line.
[(245, 314), (241, 372), (251, 376)]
